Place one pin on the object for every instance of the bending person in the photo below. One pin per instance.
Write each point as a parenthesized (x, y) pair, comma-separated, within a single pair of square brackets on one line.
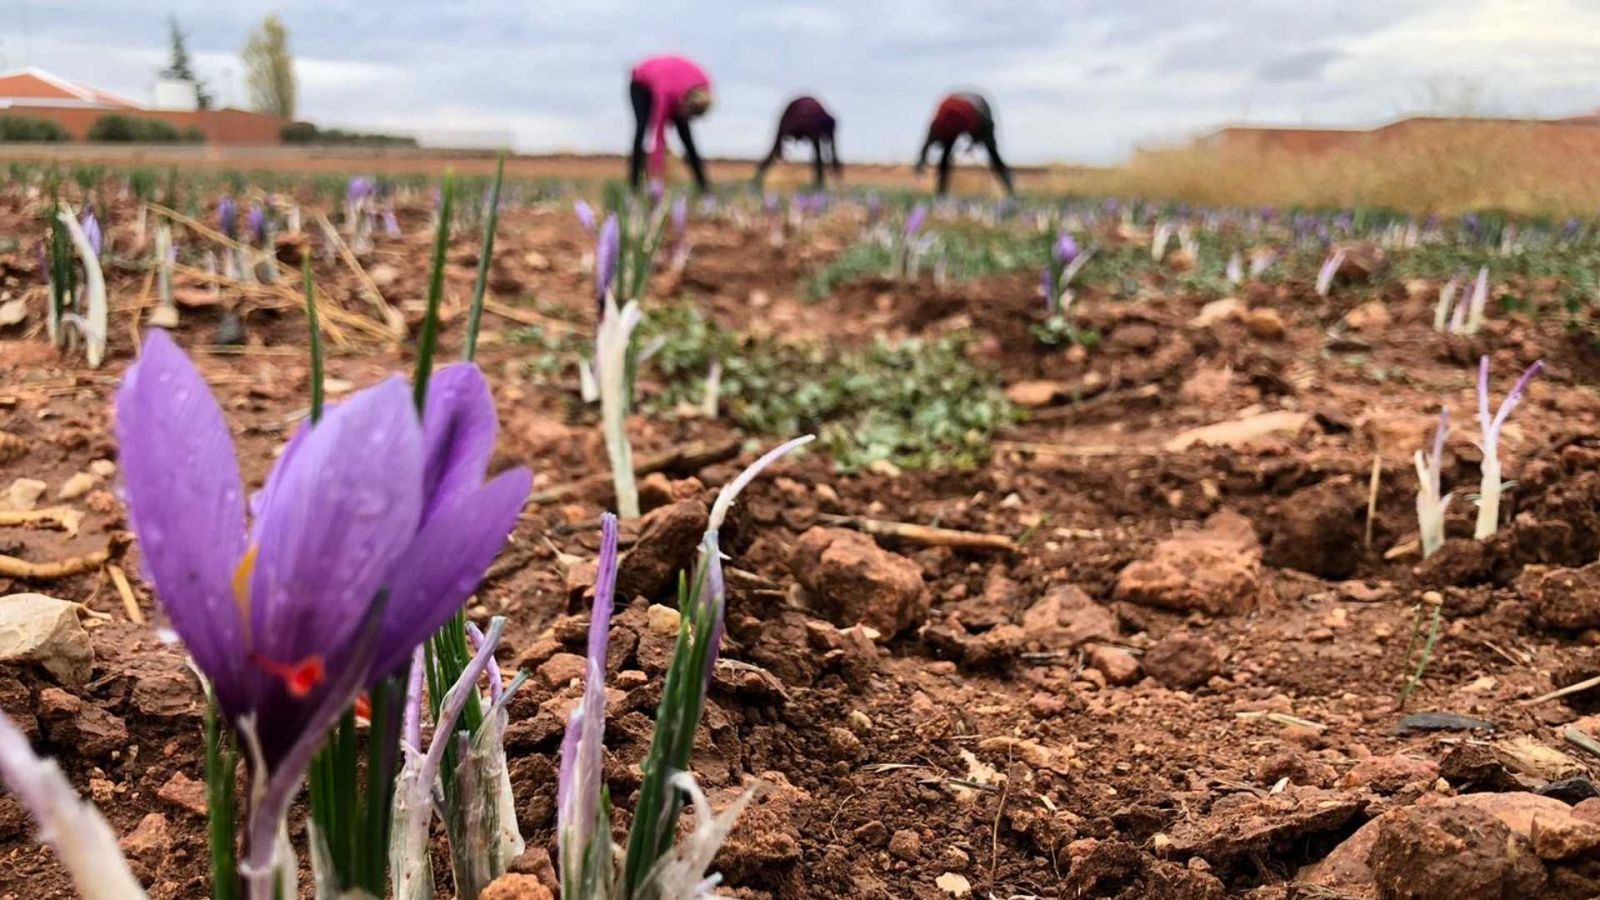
[(666, 88), (961, 115), (806, 119)]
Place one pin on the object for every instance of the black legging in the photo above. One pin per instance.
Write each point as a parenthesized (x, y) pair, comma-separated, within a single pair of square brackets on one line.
[(984, 136), (823, 153), (642, 102)]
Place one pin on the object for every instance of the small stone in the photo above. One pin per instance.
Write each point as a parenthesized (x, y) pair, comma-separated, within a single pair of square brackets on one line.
[(858, 581), (905, 844), (103, 468), (516, 886), (87, 729), (1183, 661), (35, 628), (1387, 774), (185, 793), (872, 834), (1118, 665), (1558, 838), (76, 486), (954, 884), (1225, 310), (859, 722), (24, 493), (1369, 318), (150, 841), (1216, 570), (844, 744), (562, 669), (1036, 393), (1265, 324), (662, 620)]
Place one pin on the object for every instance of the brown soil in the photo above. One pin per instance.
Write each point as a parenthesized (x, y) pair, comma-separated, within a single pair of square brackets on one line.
[(1006, 738)]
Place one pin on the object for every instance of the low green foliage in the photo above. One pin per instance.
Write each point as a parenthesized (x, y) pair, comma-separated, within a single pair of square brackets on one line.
[(918, 404), (965, 251), (31, 130), (118, 128)]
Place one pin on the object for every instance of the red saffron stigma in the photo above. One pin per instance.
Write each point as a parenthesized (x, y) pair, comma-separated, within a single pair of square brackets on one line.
[(300, 678), (364, 707)]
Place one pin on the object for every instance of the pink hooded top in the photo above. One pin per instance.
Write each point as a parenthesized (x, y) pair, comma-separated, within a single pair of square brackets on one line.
[(669, 78)]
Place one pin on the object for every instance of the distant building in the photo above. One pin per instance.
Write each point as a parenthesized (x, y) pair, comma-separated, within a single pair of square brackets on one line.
[(37, 94)]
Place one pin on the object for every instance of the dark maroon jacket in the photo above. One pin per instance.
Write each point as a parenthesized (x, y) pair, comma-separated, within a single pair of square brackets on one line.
[(805, 118)]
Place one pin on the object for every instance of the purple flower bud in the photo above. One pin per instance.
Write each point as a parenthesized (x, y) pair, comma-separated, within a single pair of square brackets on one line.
[(585, 214), (770, 202), (680, 215), (228, 216), (606, 250), (360, 188), (915, 219), (256, 222), (91, 230), (874, 208), (1066, 249), (391, 225), (658, 189)]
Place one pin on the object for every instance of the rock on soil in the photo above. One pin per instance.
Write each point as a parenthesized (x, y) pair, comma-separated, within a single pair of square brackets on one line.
[(766, 842), (1066, 617), (667, 540), (1215, 570), (1505, 845), (38, 629), (1118, 665), (854, 580), (515, 886), (1563, 599), (86, 729), (1252, 431), (1319, 530), (1184, 661), (1244, 827)]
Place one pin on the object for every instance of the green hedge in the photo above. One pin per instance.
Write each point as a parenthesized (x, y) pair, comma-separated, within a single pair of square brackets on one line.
[(24, 128), (117, 128), (307, 133)]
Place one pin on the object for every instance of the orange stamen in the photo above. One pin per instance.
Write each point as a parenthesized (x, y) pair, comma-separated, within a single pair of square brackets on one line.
[(364, 707), (241, 586)]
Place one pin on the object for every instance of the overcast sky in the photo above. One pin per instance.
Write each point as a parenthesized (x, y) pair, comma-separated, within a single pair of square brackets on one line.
[(1071, 80)]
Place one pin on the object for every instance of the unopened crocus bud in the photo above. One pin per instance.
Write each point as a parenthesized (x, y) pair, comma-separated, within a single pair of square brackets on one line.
[(1066, 249), (256, 222), (606, 250), (228, 216), (915, 220), (92, 231), (585, 214)]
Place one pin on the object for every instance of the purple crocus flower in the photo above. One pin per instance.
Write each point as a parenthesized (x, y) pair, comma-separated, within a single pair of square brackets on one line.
[(92, 231), (582, 748), (915, 219), (372, 529), (228, 216), (874, 208), (680, 216), (256, 221), (606, 251), (391, 224), (360, 188), (1066, 249), (585, 214), (657, 190)]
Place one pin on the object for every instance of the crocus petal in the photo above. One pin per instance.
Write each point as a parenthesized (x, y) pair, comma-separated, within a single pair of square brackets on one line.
[(458, 431), (186, 504), (344, 508), (582, 750), (445, 561), (84, 843)]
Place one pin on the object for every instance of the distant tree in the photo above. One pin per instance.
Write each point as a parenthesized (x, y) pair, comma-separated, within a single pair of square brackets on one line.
[(269, 69), (178, 66)]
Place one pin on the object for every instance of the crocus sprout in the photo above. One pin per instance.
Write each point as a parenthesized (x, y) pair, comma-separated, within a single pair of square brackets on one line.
[(711, 400), (84, 843), (1441, 311), (93, 322), (256, 224), (371, 530), (681, 873), (1431, 503), (612, 347), (1233, 272), (1479, 300), (1490, 485), (582, 807), (701, 601), (1330, 268)]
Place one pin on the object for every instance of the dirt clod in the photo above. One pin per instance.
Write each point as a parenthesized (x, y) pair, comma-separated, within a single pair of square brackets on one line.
[(1183, 661), (855, 580), (1216, 570)]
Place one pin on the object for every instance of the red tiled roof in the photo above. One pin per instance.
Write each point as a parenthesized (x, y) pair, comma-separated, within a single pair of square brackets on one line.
[(37, 87)]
